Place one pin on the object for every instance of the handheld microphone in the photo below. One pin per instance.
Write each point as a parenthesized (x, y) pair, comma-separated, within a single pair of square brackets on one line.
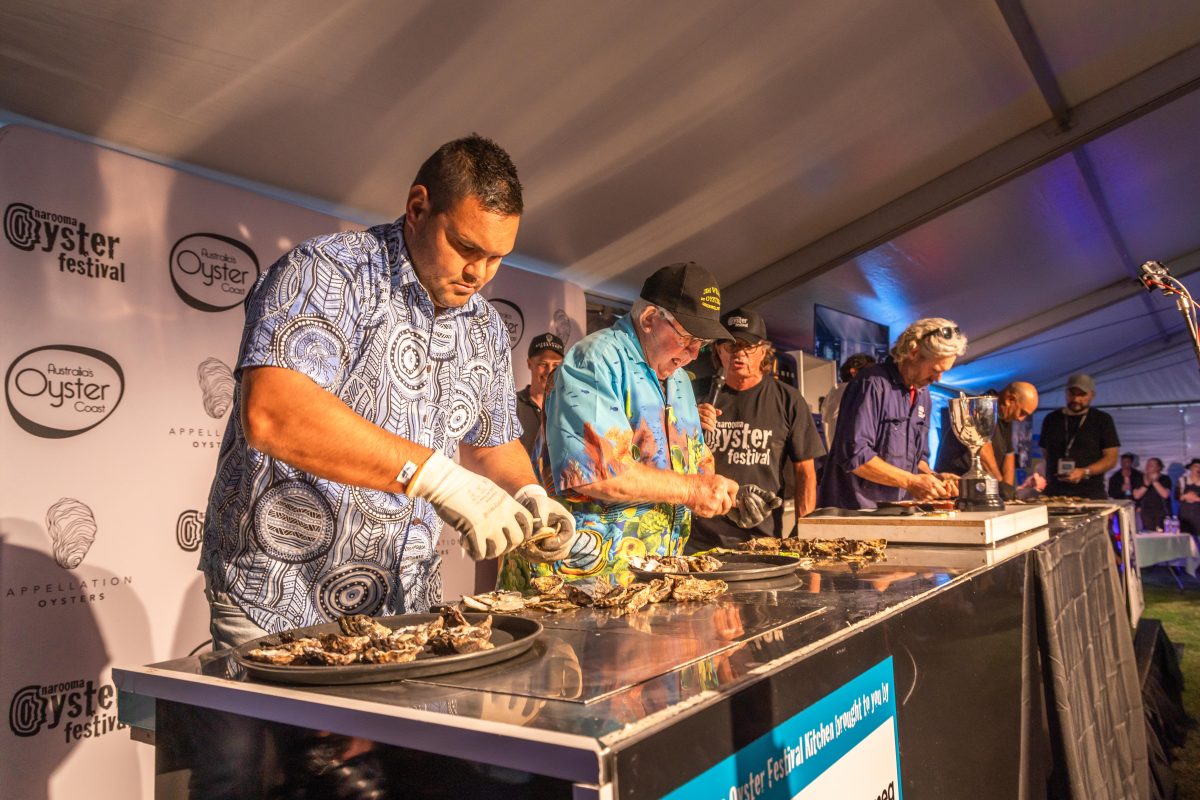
[(718, 381)]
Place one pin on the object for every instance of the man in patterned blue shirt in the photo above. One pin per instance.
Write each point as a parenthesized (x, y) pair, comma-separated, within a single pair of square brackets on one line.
[(367, 361)]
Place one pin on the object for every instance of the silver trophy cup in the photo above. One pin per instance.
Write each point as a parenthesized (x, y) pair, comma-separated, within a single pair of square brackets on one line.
[(974, 421)]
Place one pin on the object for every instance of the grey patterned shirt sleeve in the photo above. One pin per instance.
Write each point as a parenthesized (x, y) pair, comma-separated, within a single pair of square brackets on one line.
[(306, 313)]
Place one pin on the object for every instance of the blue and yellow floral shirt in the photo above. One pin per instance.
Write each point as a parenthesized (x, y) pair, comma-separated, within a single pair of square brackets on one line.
[(607, 411)]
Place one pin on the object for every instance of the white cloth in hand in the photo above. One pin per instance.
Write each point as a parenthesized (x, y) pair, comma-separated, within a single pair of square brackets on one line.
[(489, 520), (547, 513), (753, 505)]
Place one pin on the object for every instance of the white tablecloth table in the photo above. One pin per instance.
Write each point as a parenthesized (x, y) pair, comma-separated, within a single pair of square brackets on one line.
[(1173, 549)]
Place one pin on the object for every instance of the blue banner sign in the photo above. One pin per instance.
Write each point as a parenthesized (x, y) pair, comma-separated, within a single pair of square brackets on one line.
[(842, 747)]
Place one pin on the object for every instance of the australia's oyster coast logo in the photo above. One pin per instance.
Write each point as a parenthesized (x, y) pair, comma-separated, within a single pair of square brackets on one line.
[(211, 272), (63, 390)]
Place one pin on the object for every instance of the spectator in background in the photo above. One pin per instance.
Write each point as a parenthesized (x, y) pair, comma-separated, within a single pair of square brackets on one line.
[(1188, 494), (1153, 497), (1080, 443), (1126, 480), (829, 406), (1014, 403), (544, 356)]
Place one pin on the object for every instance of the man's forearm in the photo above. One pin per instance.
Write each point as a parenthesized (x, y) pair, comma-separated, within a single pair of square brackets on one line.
[(806, 488), (507, 464), (987, 457), (1009, 475), (1106, 462), (642, 484), (288, 417), (879, 471)]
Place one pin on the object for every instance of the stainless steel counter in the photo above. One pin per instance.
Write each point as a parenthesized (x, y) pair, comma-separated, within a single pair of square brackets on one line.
[(594, 684)]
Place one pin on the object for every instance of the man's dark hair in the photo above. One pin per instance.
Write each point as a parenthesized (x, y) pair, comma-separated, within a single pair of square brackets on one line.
[(472, 167), (855, 362)]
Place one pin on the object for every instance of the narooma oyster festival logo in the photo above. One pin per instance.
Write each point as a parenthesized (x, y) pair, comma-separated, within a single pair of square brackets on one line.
[(211, 272), (62, 390), (514, 319)]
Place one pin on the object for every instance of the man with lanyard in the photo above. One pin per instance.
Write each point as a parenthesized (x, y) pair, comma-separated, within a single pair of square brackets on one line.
[(367, 360), (756, 427), (882, 438), (1080, 444), (544, 356), (624, 445), (1014, 403)]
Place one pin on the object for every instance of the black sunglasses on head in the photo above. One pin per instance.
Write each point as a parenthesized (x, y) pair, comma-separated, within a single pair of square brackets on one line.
[(945, 333)]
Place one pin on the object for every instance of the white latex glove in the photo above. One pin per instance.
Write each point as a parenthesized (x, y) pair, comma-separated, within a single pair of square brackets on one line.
[(547, 513), (489, 520)]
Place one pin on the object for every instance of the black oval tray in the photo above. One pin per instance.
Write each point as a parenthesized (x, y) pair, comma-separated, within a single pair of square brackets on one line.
[(511, 636), (738, 567)]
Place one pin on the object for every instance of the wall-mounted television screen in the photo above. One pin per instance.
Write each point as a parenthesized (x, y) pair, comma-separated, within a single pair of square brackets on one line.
[(839, 335)]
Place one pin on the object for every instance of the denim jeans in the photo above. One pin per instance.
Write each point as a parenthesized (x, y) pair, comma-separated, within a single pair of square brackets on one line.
[(228, 623)]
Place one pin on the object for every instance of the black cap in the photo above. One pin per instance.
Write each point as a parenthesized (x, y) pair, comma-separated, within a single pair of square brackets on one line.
[(547, 341), (746, 325), (691, 294)]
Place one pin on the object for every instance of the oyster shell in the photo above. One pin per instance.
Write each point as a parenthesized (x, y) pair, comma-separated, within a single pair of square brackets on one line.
[(853, 551), (495, 602), (549, 585), (688, 589), (459, 636), (395, 655), (362, 625), (761, 544), (703, 563), (271, 655)]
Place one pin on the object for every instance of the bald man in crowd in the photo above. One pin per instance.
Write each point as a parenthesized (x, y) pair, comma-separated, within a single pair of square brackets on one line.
[(1015, 403)]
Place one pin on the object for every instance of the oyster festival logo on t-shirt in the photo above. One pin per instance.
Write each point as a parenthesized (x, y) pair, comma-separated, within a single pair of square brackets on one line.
[(63, 390), (739, 443), (79, 250)]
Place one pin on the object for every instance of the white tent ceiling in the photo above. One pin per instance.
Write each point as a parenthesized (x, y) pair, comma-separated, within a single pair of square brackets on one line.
[(1006, 163)]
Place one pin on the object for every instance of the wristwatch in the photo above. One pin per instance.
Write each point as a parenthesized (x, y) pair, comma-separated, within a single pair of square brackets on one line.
[(1087, 473)]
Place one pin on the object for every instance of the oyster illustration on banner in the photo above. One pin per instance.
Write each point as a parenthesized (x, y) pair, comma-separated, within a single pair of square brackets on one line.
[(216, 386), (72, 529)]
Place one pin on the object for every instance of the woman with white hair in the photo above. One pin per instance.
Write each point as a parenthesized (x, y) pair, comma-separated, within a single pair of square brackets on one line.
[(879, 450)]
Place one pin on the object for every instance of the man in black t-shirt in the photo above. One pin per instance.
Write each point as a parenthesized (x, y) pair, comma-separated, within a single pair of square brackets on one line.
[(756, 427), (1123, 482), (1080, 444)]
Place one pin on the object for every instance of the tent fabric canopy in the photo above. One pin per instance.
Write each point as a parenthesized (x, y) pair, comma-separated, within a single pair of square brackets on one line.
[(1004, 163)]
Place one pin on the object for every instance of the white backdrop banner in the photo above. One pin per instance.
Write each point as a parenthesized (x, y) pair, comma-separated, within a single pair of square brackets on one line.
[(120, 318)]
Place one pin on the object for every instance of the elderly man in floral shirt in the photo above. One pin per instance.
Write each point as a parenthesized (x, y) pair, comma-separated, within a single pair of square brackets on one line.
[(623, 444)]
